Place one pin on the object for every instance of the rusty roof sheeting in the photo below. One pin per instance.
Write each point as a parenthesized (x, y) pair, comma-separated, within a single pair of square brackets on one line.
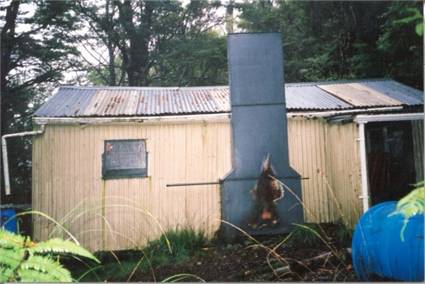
[(359, 95), (127, 101), (373, 93), (70, 101)]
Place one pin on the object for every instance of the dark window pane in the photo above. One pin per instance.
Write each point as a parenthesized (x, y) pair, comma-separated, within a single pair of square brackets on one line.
[(124, 158)]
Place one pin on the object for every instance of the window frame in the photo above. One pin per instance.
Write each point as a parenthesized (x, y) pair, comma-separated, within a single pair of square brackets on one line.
[(124, 173)]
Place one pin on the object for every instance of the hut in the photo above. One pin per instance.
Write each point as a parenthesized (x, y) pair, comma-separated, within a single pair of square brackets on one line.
[(117, 166)]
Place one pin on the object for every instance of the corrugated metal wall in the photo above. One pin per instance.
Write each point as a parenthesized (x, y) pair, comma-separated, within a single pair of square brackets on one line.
[(418, 148), (328, 155), (125, 213)]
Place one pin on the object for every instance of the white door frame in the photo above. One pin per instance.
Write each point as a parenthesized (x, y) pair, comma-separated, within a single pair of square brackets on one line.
[(361, 120)]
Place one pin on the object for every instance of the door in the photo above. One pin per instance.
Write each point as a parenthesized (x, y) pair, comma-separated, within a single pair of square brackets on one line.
[(391, 167)]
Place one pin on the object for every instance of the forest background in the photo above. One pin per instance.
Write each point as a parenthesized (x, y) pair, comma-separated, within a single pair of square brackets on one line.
[(183, 43)]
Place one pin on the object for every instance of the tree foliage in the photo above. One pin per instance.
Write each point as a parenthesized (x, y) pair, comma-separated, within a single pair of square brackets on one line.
[(35, 54), (35, 50), (326, 40), (168, 43), (146, 41), (400, 46)]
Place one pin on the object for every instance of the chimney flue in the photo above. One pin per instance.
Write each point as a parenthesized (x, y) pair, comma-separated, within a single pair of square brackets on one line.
[(259, 129)]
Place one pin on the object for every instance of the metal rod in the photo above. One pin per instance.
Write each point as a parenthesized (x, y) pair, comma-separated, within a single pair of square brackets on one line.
[(221, 181), (193, 183)]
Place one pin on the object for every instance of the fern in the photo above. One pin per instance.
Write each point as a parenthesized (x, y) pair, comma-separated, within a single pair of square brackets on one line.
[(47, 265), (23, 260), (60, 246), (10, 240), (6, 274), (28, 275), (10, 258), (410, 205)]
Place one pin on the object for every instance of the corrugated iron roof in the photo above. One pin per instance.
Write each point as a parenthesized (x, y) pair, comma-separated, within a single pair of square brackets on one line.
[(134, 101), (310, 97), (70, 101), (359, 95), (397, 91)]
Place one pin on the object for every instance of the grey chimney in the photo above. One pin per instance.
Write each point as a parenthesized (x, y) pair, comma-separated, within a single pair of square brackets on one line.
[(259, 128)]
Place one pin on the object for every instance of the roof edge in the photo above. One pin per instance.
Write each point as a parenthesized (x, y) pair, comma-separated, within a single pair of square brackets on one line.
[(289, 84), (178, 119), (342, 81), (140, 87)]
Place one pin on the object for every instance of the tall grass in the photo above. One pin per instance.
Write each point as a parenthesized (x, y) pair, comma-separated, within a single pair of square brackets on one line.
[(172, 246), (305, 235), (69, 223), (85, 209), (184, 243)]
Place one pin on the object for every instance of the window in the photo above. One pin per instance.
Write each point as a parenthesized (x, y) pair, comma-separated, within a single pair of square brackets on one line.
[(124, 158)]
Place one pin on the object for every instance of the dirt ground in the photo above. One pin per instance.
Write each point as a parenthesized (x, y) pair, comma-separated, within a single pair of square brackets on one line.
[(249, 264), (250, 261)]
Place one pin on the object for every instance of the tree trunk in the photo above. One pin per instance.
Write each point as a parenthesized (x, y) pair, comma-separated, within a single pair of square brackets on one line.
[(110, 45), (136, 55), (7, 44), (229, 16)]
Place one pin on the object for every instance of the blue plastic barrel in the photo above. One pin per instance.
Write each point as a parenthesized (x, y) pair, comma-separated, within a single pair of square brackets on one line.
[(377, 249), (8, 220)]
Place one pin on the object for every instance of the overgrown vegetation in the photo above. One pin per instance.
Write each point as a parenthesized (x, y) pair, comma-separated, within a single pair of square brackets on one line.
[(343, 234), (173, 247), (311, 235), (24, 260), (263, 258), (184, 243), (306, 235)]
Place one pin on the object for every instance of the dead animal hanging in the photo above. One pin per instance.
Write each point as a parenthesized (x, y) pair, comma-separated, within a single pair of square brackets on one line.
[(265, 194)]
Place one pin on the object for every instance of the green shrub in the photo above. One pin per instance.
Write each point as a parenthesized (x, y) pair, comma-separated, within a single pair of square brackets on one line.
[(24, 260), (307, 235), (343, 234)]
